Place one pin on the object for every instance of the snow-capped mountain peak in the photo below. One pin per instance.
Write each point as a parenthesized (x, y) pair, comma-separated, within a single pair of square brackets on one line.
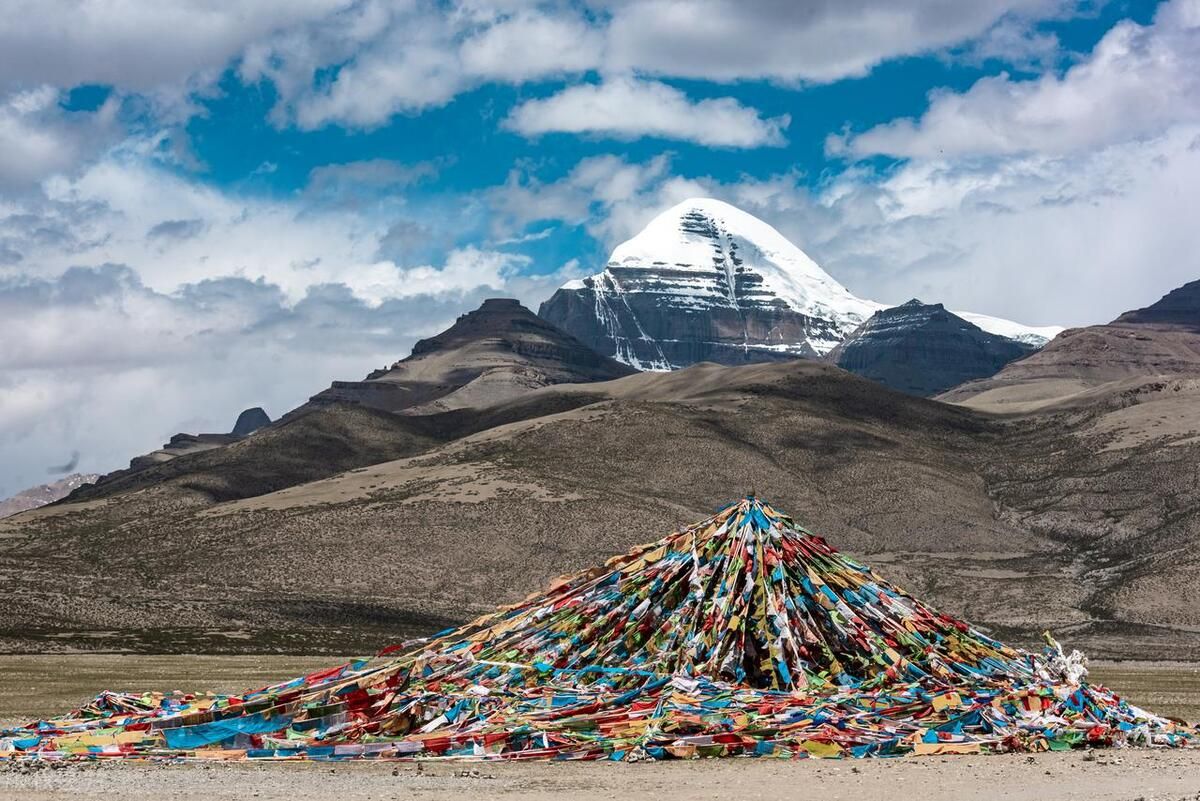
[(704, 236), (706, 281)]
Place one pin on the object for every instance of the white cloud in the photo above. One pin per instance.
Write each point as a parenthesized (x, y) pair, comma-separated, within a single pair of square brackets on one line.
[(138, 46), (359, 62), (415, 56), (39, 139), (531, 45), (129, 292), (1067, 239), (408, 57), (467, 268), (1015, 41), (591, 193), (627, 108), (115, 372), (1136, 82), (174, 232), (816, 40), (200, 329), (414, 68)]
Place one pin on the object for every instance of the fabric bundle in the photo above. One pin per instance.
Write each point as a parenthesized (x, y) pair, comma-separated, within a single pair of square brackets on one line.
[(741, 635)]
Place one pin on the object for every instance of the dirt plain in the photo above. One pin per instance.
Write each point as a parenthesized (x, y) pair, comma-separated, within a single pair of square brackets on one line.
[(1126, 775)]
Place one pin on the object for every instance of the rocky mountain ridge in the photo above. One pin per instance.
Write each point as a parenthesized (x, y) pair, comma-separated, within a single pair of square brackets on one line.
[(181, 444), (493, 353), (43, 494), (1140, 346), (706, 281), (922, 349)]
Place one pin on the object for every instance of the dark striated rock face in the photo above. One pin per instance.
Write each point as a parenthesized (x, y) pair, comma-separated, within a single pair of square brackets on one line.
[(704, 281), (922, 349), (250, 421), (620, 312), (1179, 308), (491, 354)]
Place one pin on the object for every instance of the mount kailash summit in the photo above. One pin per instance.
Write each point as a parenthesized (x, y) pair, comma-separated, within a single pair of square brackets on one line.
[(705, 281)]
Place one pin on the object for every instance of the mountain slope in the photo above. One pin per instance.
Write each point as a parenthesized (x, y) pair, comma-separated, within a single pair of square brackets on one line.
[(1083, 363), (1178, 310), (922, 349), (296, 450), (1035, 336), (1021, 524), (43, 494), (184, 444), (494, 353), (705, 281)]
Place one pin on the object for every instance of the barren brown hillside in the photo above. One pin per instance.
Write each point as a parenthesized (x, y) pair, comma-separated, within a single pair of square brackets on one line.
[(1082, 519)]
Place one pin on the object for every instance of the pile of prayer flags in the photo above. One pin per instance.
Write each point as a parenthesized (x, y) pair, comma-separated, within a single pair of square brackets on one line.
[(741, 635)]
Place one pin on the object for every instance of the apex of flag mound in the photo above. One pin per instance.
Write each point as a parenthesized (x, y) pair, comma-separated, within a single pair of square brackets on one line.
[(746, 597), (741, 635)]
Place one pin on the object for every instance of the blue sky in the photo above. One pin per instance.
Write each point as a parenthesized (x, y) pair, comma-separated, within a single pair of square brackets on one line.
[(205, 207)]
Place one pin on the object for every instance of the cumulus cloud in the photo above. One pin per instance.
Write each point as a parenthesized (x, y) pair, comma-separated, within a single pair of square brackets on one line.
[(404, 59), (815, 41), (1017, 41), (138, 46), (1136, 82), (413, 68), (357, 63), (97, 361), (104, 213), (590, 194), (39, 139), (407, 241), (133, 294), (529, 45), (1071, 240), (627, 108)]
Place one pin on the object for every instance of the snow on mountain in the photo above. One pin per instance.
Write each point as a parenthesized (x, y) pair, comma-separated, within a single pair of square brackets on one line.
[(922, 349), (707, 243), (43, 494), (1026, 334), (705, 281)]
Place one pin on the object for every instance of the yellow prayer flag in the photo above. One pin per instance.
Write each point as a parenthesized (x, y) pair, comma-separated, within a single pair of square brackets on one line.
[(822, 750)]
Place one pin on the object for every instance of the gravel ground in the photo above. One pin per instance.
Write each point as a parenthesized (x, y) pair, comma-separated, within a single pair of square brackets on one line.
[(1119, 775)]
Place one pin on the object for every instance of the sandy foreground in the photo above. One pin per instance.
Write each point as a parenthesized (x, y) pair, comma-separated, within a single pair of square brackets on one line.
[(1123, 775)]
